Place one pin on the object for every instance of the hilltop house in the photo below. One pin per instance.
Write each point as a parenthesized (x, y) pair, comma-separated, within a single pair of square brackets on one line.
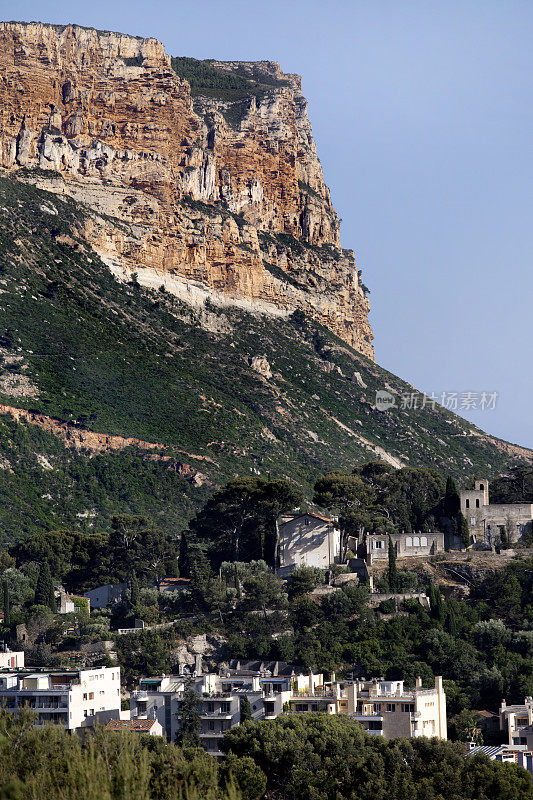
[(103, 596), (307, 540), (488, 522)]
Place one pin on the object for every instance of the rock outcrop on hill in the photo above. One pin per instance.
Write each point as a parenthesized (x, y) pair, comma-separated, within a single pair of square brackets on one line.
[(216, 194)]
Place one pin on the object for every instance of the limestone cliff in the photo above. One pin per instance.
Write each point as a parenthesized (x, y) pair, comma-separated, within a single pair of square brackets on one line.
[(216, 195)]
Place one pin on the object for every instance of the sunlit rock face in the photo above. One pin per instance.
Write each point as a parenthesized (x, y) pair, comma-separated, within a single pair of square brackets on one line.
[(214, 198)]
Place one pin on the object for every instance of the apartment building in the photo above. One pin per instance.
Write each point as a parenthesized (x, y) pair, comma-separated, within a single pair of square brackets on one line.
[(517, 722), (220, 705), (74, 698), (389, 709), (384, 708)]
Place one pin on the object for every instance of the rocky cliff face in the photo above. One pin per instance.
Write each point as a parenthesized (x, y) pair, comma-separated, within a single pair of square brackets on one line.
[(219, 195)]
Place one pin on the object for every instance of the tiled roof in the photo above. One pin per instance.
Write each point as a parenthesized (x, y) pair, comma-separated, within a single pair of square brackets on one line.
[(138, 725), (487, 714)]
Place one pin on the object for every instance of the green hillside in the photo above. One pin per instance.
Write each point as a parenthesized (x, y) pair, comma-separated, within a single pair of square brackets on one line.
[(80, 347)]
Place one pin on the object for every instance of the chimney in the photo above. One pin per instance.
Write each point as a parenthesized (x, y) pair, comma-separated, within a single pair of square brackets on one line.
[(418, 683), (438, 683)]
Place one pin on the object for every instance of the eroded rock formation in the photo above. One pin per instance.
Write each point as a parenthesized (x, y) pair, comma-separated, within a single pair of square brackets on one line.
[(210, 196)]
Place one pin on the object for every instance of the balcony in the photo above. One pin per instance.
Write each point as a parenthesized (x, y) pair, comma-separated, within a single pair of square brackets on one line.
[(216, 714)]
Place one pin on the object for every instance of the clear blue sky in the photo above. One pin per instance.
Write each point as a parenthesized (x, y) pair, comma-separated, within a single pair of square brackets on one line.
[(423, 113)]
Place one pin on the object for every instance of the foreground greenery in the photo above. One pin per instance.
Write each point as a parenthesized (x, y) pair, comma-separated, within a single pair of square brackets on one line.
[(319, 757), (309, 757), (37, 763)]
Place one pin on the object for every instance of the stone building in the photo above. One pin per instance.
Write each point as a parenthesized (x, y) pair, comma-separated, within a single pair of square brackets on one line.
[(307, 540), (406, 545), (489, 522)]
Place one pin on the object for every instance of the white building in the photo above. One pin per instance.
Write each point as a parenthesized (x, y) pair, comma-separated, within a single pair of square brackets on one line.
[(384, 708), (11, 659), (388, 709), (517, 722), (506, 754), (220, 705), (75, 698), (307, 540)]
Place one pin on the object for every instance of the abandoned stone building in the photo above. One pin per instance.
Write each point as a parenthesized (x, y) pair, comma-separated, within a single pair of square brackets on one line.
[(492, 522), (406, 545)]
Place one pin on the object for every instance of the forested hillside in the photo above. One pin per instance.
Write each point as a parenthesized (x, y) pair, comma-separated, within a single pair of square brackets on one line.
[(219, 391)]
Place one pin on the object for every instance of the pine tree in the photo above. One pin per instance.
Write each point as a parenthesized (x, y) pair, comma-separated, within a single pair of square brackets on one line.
[(393, 571), (189, 718), (246, 710), (44, 593), (6, 602)]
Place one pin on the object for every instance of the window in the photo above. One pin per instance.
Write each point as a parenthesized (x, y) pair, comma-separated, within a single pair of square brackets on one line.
[(416, 541), (306, 521), (211, 725), (85, 696), (409, 541), (379, 545), (467, 503), (481, 486), (472, 520), (477, 503), (391, 707), (408, 706), (423, 541), (91, 695)]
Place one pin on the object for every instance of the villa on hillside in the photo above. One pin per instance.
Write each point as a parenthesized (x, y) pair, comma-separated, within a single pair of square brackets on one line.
[(490, 522), (306, 540)]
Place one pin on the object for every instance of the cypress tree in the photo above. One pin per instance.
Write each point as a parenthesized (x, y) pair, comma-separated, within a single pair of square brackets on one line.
[(184, 561), (462, 529), (6, 602), (246, 710), (44, 593), (190, 720), (134, 590), (393, 571)]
